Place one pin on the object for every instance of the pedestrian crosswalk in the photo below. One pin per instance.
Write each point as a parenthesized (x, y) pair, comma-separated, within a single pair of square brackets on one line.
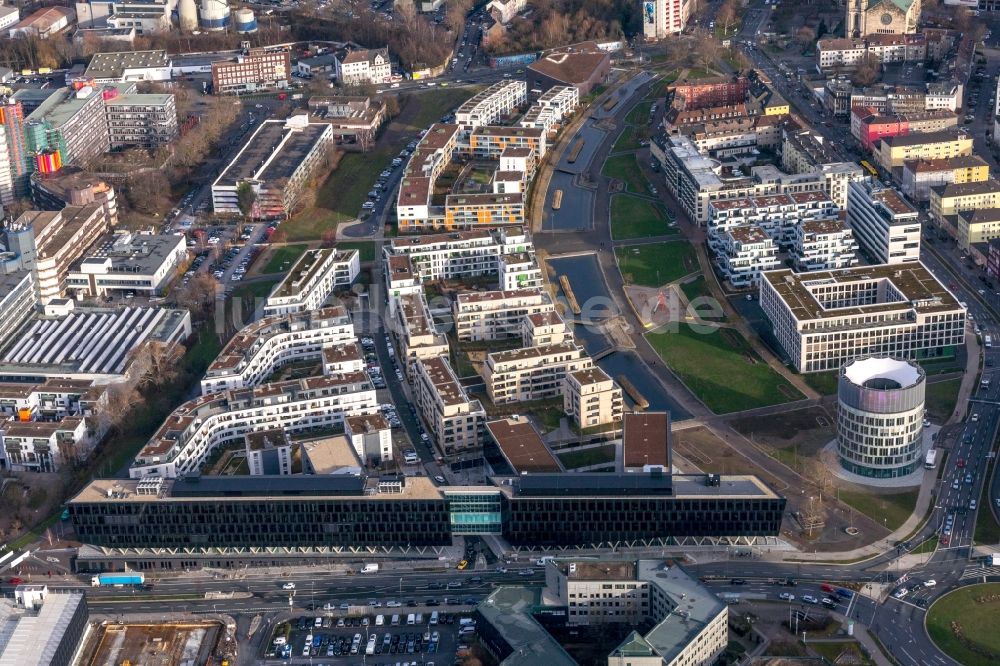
[(980, 572)]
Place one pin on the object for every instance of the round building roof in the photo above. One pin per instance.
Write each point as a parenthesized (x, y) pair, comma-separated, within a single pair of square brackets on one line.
[(883, 373)]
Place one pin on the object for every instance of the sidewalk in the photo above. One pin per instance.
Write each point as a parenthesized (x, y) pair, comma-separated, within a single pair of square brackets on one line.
[(863, 637), (972, 351), (887, 543)]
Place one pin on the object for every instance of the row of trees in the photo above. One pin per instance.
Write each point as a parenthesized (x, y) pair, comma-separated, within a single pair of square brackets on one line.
[(559, 22), (414, 40)]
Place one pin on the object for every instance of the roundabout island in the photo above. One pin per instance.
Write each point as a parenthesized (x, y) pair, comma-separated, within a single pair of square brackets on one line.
[(963, 624)]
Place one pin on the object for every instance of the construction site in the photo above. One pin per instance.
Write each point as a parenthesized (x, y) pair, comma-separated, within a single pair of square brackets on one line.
[(167, 644)]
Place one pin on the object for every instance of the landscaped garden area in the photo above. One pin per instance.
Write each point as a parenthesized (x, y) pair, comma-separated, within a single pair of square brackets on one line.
[(633, 217), (963, 624), (626, 169), (722, 369), (656, 264)]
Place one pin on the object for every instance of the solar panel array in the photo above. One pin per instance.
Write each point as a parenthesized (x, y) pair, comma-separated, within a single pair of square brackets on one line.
[(92, 342)]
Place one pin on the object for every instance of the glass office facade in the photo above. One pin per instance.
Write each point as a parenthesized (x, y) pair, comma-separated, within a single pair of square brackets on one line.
[(475, 512)]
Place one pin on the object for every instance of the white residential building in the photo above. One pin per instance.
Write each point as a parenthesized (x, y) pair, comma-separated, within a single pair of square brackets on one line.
[(418, 338), (43, 426), (544, 328), (696, 180), (365, 66), (463, 254), (848, 53), (662, 18), (489, 106), (549, 110), (778, 215), (454, 421), (263, 347), (496, 315), (194, 430), (343, 359), (49, 242), (312, 280), (269, 452), (534, 373), (9, 16), (44, 446), (504, 11), (823, 245), (277, 161), (519, 271), (743, 253), (885, 225), (591, 398), (124, 262), (18, 300), (824, 319), (371, 437), (52, 399)]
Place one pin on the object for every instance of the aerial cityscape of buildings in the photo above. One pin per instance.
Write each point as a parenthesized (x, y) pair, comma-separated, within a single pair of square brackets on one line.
[(507, 334)]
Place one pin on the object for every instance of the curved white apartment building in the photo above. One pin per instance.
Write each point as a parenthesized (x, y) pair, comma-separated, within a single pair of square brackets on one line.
[(197, 427), (272, 342)]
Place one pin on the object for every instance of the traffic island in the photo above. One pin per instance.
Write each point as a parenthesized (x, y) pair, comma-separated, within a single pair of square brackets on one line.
[(963, 624)]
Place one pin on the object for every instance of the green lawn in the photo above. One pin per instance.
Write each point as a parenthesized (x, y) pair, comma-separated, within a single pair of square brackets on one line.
[(928, 546), (632, 217), (659, 89), (890, 510), (283, 257), (593, 456), (640, 114), (987, 530), (339, 199), (824, 383), (846, 652), (629, 139), (433, 104), (366, 249), (626, 169), (202, 353), (656, 264), (963, 623), (261, 289), (698, 288), (940, 398), (698, 73), (722, 369), (548, 417)]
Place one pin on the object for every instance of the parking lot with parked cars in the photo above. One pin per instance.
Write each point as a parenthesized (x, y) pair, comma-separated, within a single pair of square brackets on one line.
[(397, 636)]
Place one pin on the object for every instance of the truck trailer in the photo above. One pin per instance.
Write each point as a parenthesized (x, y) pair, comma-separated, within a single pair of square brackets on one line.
[(117, 579)]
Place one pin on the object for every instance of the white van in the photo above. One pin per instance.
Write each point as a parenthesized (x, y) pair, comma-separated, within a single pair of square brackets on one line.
[(420, 618), (379, 620), (410, 620), (434, 617)]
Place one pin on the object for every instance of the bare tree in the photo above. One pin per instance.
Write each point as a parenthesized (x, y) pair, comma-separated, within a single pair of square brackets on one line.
[(867, 71), (727, 15), (406, 10), (154, 363), (457, 11), (199, 294), (805, 35), (118, 401)]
